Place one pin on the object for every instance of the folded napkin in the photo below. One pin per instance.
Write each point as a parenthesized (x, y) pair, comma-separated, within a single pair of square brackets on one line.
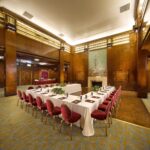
[(76, 101), (89, 101), (51, 95), (95, 97), (100, 93), (62, 98), (44, 93)]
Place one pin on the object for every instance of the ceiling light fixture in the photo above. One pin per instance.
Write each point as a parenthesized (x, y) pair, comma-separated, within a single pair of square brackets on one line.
[(28, 65), (36, 59), (1, 57), (25, 61), (42, 63)]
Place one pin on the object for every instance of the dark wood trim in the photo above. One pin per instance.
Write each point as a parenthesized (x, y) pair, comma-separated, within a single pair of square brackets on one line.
[(38, 56)]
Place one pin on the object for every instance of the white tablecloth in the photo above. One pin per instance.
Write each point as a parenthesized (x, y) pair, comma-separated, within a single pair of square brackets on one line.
[(69, 88), (84, 108)]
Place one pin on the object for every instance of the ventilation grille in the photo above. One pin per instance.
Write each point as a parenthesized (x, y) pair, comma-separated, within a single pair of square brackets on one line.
[(28, 15), (124, 8), (37, 35), (121, 39), (98, 45)]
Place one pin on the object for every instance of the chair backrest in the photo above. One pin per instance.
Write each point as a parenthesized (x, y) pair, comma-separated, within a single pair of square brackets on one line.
[(24, 96), (50, 107), (39, 102), (19, 94), (46, 85), (38, 87), (30, 98), (66, 113), (30, 87)]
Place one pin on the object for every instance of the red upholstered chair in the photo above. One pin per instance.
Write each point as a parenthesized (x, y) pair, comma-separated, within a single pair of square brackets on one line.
[(53, 111), (103, 116), (32, 103), (20, 98), (69, 117), (30, 87), (41, 107), (38, 87), (26, 99), (46, 85)]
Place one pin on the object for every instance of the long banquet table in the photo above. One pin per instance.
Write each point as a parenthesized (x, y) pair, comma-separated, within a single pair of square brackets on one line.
[(84, 107), (69, 88)]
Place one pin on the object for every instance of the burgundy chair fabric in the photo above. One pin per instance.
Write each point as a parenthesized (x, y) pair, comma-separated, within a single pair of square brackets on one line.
[(25, 97), (30, 87), (101, 115), (68, 115), (51, 109), (40, 104), (46, 85), (19, 94), (32, 101), (38, 87)]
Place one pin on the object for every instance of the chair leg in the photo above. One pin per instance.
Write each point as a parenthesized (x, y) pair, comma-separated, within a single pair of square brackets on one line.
[(18, 101), (46, 118), (42, 115), (32, 110), (71, 131), (54, 124), (105, 127), (110, 117), (22, 103), (61, 125), (36, 113), (26, 107)]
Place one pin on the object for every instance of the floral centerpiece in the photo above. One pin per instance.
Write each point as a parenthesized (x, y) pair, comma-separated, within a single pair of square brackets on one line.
[(58, 91)]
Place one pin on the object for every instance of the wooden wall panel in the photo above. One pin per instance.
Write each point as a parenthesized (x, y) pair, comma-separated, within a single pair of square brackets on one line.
[(121, 63), (10, 63), (27, 45), (67, 57), (2, 74), (27, 75), (2, 35), (80, 68), (148, 66)]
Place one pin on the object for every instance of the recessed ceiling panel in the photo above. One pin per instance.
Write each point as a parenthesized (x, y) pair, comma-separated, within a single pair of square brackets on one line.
[(77, 20)]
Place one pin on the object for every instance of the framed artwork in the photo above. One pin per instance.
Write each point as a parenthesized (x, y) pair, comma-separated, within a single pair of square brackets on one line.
[(98, 62), (44, 74)]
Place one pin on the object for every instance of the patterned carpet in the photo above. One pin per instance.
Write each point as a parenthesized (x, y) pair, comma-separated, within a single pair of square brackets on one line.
[(19, 130)]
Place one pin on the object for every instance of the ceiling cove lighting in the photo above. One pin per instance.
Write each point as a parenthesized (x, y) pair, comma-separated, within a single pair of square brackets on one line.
[(105, 34), (42, 63), (36, 59), (32, 33), (28, 65), (25, 61), (1, 57)]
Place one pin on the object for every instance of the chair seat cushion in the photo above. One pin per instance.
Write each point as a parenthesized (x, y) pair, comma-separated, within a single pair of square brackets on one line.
[(106, 102), (74, 117), (103, 107), (43, 107), (34, 103), (108, 99), (100, 115), (56, 110)]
